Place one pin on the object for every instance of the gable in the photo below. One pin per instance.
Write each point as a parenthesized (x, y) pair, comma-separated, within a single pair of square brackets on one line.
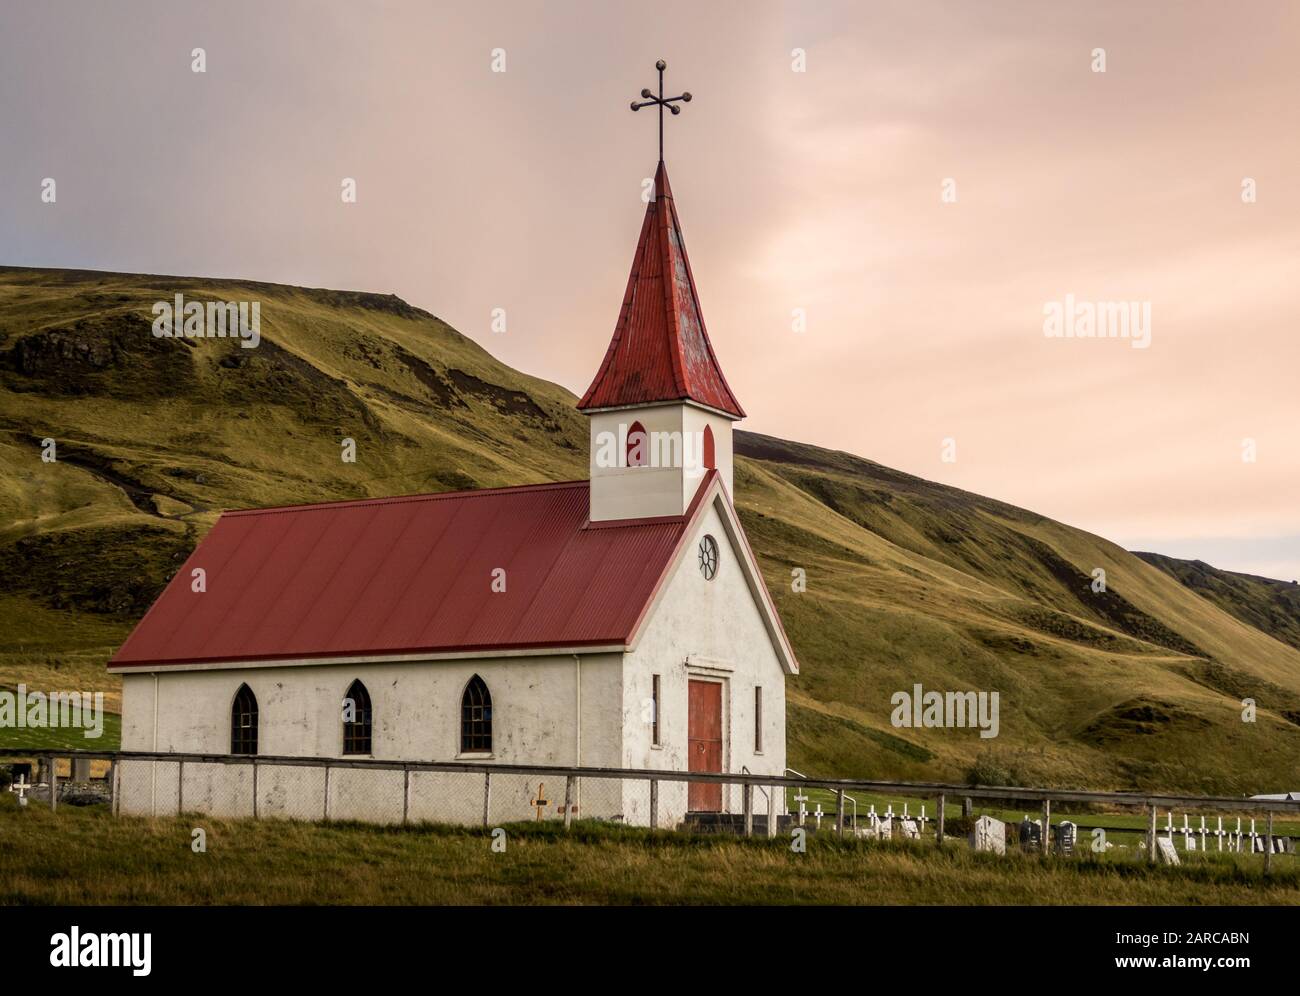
[(737, 571)]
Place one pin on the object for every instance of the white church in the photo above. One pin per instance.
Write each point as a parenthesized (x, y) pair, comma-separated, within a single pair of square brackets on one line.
[(619, 621)]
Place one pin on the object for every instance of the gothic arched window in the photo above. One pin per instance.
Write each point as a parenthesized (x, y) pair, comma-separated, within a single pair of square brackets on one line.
[(357, 717), (243, 722), (710, 456), (476, 718), (638, 446)]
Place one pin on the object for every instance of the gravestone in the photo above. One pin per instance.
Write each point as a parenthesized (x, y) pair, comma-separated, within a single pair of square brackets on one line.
[(1031, 835), (910, 830), (989, 835), (1165, 850), (1065, 836), (885, 828), (81, 769)]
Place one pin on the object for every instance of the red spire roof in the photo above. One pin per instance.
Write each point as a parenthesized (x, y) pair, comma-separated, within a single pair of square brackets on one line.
[(660, 350)]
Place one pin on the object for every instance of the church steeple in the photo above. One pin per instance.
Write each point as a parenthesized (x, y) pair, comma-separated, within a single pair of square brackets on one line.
[(660, 410), (660, 351)]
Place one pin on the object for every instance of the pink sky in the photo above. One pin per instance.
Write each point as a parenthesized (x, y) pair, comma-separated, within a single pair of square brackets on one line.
[(817, 190)]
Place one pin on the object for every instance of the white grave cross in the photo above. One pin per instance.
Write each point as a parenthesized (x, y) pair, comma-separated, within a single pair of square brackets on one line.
[(803, 810)]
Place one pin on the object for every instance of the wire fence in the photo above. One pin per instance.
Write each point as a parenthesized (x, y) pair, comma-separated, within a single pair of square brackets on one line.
[(489, 794)]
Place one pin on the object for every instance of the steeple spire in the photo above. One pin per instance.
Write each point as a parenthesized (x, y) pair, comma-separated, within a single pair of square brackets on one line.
[(660, 351)]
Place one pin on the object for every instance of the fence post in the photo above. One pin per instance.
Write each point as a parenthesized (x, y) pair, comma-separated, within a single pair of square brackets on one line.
[(1268, 845), (254, 788), (406, 793), (839, 812), (180, 786), (938, 823), (1047, 826), (654, 803), (1151, 837), (747, 807), (487, 795), (568, 801), (771, 810), (327, 793), (112, 787), (53, 763)]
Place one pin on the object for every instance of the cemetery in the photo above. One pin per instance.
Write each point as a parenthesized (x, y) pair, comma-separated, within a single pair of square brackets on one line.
[(1109, 826)]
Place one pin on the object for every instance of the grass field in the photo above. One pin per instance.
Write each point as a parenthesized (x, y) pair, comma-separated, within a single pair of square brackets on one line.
[(85, 856)]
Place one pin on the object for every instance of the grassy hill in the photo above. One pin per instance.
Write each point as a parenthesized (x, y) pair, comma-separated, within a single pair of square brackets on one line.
[(908, 581), (1265, 603)]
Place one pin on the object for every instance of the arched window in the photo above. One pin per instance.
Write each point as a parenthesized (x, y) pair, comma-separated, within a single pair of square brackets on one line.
[(356, 720), (638, 446), (710, 456), (243, 722), (476, 718)]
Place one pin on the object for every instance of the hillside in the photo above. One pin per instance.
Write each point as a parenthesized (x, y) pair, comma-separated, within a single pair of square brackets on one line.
[(1265, 603), (908, 581)]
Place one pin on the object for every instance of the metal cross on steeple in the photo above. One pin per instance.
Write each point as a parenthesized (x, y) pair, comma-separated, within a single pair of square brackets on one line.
[(669, 102)]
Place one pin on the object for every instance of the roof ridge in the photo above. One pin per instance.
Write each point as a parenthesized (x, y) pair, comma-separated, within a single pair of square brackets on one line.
[(398, 499)]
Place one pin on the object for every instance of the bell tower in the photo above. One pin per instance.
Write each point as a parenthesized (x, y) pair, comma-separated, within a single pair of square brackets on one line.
[(660, 409)]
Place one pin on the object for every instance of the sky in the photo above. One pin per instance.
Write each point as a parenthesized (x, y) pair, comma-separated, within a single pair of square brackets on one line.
[(884, 205)]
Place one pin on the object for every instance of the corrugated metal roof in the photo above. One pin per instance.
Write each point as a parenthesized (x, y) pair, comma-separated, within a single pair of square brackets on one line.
[(660, 350), (409, 575)]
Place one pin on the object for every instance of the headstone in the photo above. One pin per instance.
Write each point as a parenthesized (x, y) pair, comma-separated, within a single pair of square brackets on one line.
[(910, 830), (989, 835), (885, 829), (1166, 851), (1031, 835), (81, 769), (1065, 834), (1191, 844)]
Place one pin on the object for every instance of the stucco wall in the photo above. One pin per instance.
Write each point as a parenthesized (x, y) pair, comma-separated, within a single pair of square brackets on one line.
[(711, 630), (416, 717), (634, 492)]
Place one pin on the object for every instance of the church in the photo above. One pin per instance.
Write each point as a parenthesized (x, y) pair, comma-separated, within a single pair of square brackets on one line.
[(619, 621)]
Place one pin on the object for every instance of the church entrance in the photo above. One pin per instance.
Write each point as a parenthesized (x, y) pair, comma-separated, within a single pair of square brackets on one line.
[(704, 744)]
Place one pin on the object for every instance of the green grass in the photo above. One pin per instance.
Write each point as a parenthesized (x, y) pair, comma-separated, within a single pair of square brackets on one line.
[(86, 856), (47, 738)]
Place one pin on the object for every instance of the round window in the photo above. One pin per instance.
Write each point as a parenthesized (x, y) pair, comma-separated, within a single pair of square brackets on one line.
[(709, 557)]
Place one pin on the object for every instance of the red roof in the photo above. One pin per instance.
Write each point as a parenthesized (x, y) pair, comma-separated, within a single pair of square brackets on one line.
[(410, 575), (660, 350)]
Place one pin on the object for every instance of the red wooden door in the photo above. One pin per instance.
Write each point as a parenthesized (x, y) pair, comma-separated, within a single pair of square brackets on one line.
[(704, 744)]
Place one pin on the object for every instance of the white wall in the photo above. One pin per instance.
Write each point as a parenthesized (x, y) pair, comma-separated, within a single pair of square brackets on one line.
[(416, 717), (711, 630), (643, 492)]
